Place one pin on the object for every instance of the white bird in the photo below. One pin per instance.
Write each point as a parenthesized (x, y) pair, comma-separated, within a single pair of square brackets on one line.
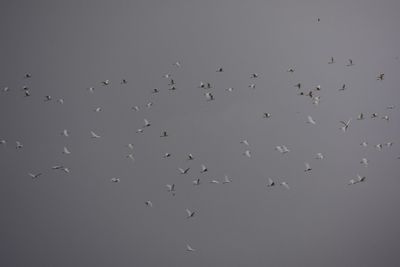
[(361, 116), (177, 64), (130, 146), (171, 188), (34, 176), (6, 89), (252, 86), (254, 75), (47, 98), (308, 167), (65, 133), (202, 85), (361, 178), (98, 109), (230, 89), (196, 181), (364, 161), (310, 120), (209, 96), (271, 183), (136, 108), (66, 151), (379, 147), (345, 125), (214, 182), (352, 181), (149, 105), (266, 115), (65, 169), (146, 123), (285, 149), (245, 142), (380, 77), (320, 156), (167, 155), (190, 157), (115, 180), (388, 144), (316, 100), (350, 63), (91, 89), (3, 142), (285, 184), (364, 144), (149, 203), (189, 248), (18, 145), (139, 130), (189, 213), (247, 153), (386, 117), (332, 61), (94, 135), (130, 156), (167, 76), (61, 101), (183, 171), (106, 82), (227, 180), (203, 168)]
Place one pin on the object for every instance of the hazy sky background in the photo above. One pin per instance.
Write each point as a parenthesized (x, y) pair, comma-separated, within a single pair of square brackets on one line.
[(82, 219)]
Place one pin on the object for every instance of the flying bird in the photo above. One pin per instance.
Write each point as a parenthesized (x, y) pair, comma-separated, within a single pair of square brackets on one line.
[(183, 171), (190, 157), (167, 155), (285, 184), (319, 156), (266, 115), (343, 87), (164, 134), (196, 181), (345, 125), (94, 135), (350, 63), (361, 116), (254, 75), (310, 120), (34, 176), (106, 82), (271, 183), (220, 69), (171, 188), (146, 123), (65, 133), (149, 203), (203, 168), (364, 161), (308, 167), (189, 248), (380, 77), (247, 153), (66, 151), (245, 142), (18, 145), (331, 61), (227, 180), (131, 157), (115, 180), (190, 214), (209, 96)]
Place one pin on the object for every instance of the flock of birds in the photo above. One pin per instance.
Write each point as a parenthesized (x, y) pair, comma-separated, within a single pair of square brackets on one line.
[(209, 96)]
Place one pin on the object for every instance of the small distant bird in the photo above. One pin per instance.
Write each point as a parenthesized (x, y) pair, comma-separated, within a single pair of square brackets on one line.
[(98, 109), (319, 156), (139, 130), (196, 181), (316, 100), (308, 167), (65, 169), (130, 146), (298, 85), (6, 89), (47, 98), (149, 105), (310, 120), (189, 248), (266, 115), (65, 133), (203, 168), (18, 145), (379, 147), (271, 183), (209, 96), (230, 89), (183, 171), (155, 91), (136, 108), (227, 180), (91, 89), (171, 188), (350, 63), (28, 75), (361, 178), (124, 81), (61, 101), (168, 75), (386, 117), (164, 134), (285, 184), (66, 151), (190, 214), (214, 182), (318, 88), (220, 70), (94, 135), (149, 203), (146, 123), (282, 149), (57, 167), (131, 157), (343, 87), (190, 157), (34, 176), (245, 142), (318, 19), (290, 70), (331, 61), (380, 77), (247, 153), (364, 144), (167, 155), (254, 75), (252, 86), (374, 115), (345, 125), (106, 82), (202, 85), (364, 161), (388, 144), (3, 142), (27, 93), (177, 64), (361, 116), (115, 180)]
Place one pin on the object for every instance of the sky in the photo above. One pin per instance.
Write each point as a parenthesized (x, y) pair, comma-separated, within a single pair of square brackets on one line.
[(81, 218)]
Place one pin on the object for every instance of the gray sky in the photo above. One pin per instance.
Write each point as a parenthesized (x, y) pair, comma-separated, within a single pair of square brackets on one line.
[(83, 219)]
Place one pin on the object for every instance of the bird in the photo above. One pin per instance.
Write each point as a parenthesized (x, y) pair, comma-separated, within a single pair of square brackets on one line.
[(318, 88), (214, 182), (66, 151), (318, 19), (290, 70), (167, 155), (364, 144), (139, 130), (298, 86), (171, 82), (98, 109), (380, 77), (190, 157), (230, 89), (189, 213), (149, 203), (171, 188), (374, 115), (310, 120), (18, 145), (227, 180), (6, 89), (130, 146), (209, 96), (167, 75), (350, 63), (135, 108), (352, 181), (266, 115), (27, 93), (47, 98), (203, 168), (316, 100), (61, 101), (247, 153), (343, 87), (28, 75), (65, 133), (106, 82), (220, 69), (94, 135), (245, 142), (115, 180), (285, 184), (379, 147), (202, 85), (149, 105), (131, 157), (34, 176), (254, 75), (319, 156), (196, 181), (91, 89), (155, 91), (65, 169), (164, 134), (3, 142), (345, 125), (183, 171), (146, 123), (331, 61), (252, 86), (124, 81), (282, 149), (177, 64), (189, 248), (271, 182), (361, 116), (364, 161), (361, 178), (388, 144), (308, 167), (386, 117)]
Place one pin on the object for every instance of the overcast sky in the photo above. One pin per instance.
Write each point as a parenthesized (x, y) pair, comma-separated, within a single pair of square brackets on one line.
[(83, 219)]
